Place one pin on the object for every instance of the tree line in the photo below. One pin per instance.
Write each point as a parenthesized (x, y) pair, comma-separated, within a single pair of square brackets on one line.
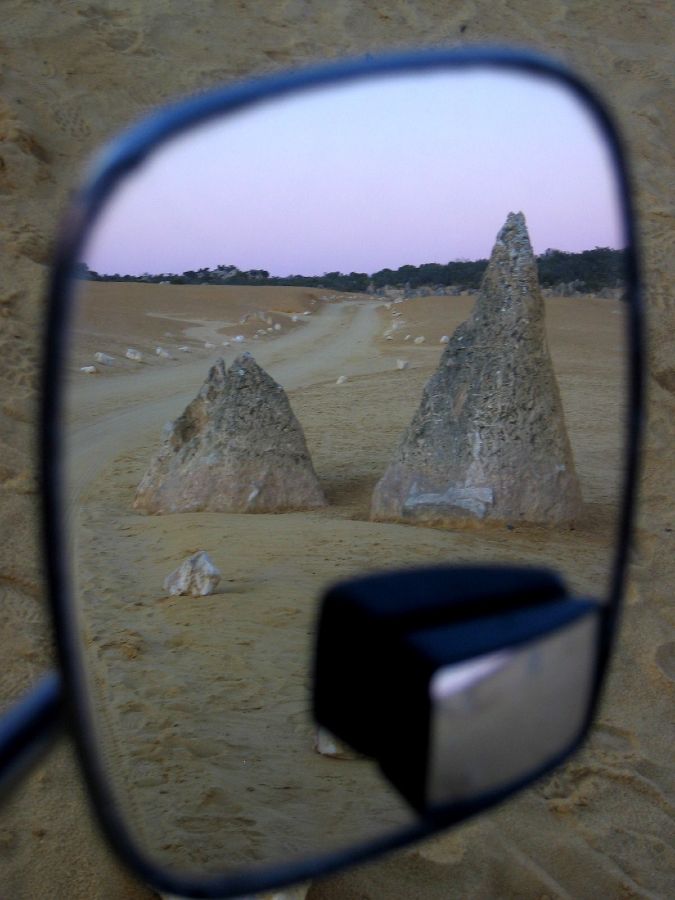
[(588, 271)]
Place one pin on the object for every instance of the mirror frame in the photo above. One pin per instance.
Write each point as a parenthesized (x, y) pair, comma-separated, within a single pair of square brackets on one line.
[(118, 159)]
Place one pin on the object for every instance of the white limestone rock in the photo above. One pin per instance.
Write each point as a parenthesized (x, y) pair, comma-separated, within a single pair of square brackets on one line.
[(134, 355), (104, 359), (327, 744), (196, 576)]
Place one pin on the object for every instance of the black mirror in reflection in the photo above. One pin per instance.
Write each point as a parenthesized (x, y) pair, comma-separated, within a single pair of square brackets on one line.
[(354, 330)]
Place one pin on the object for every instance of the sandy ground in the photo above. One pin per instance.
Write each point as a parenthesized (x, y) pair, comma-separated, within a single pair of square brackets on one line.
[(203, 704), (72, 75)]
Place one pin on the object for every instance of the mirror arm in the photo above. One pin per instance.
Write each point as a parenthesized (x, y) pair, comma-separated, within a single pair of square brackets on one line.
[(29, 728)]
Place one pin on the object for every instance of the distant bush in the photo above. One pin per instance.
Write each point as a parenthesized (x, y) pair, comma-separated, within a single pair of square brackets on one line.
[(590, 271)]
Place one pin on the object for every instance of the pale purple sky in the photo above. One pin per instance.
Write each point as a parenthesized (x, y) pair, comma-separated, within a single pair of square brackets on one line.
[(395, 170)]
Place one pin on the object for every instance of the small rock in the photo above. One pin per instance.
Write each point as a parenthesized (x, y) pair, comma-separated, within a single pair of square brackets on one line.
[(196, 576), (307, 313), (136, 355), (226, 343), (341, 380), (184, 349), (104, 359), (277, 327), (419, 340), (445, 339), (164, 354), (402, 363), (239, 339), (208, 345), (327, 744), (89, 370), (407, 337)]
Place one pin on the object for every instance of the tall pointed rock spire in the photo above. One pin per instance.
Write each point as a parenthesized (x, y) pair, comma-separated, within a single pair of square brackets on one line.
[(488, 440)]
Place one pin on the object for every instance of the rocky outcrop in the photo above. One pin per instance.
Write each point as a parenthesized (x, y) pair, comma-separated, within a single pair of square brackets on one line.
[(488, 440), (237, 447), (196, 576)]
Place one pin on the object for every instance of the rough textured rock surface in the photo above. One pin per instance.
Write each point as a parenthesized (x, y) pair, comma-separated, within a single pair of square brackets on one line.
[(488, 440), (196, 576), (237, 447)]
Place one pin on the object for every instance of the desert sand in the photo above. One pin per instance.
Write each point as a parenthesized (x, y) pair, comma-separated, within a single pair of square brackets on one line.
[(74, 75), (203, 704)]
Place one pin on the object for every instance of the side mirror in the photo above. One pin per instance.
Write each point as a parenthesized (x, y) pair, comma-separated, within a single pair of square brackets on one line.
[(454, 450), (464, 683)]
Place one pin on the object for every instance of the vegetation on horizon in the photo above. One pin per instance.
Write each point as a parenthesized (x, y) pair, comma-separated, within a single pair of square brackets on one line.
[(588, 271)]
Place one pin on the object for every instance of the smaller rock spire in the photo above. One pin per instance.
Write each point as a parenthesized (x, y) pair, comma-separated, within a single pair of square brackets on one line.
[(237, 447)]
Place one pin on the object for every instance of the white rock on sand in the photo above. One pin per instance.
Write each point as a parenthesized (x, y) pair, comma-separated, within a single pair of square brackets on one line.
[(419, 340), (89, 370), (136, 355), (445, 339), (196, 576), (402, 363), (104, 359), (162, 353), (341, 380), (327, 744)]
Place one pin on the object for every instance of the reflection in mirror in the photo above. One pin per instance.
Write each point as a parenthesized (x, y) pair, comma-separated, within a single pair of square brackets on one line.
[(505, 714), (348, 411)]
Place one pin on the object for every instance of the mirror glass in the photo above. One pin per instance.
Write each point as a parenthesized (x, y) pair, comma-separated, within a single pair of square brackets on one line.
[(505, 714), (288, 364)]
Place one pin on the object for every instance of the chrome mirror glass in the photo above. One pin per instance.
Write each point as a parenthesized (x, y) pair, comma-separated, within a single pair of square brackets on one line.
[(362, 327)]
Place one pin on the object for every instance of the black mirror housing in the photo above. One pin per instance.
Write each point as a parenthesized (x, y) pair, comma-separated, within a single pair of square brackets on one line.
[(384, 640)]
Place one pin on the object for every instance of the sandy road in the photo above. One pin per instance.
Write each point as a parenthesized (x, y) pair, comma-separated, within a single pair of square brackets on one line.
[(109, 415)]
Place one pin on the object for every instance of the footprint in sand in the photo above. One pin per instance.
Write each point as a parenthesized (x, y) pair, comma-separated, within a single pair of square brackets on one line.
[(665, 659)]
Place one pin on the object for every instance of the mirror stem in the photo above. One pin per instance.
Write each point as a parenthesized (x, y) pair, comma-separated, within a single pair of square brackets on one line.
[(28, 728)]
